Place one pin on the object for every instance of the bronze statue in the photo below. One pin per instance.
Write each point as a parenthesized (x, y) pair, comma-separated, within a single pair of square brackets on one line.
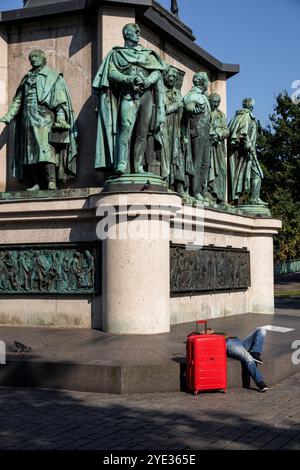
[(174, 8), (45, 135), (245, 171), (197, 109), (218, 134), (131, 104), (172, 162)]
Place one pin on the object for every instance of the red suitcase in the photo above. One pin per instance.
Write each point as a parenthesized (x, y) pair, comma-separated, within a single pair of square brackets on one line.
[(206, 362)]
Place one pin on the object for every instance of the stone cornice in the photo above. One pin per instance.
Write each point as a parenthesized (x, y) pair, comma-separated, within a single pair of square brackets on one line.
[(148, 12)]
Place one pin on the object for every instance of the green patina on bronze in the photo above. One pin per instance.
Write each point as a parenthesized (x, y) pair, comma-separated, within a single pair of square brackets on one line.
[(245, 173), (197, 115), (49, 269), (131, 107), (67, 193), (45, 135), (219, 132), (174, 164)]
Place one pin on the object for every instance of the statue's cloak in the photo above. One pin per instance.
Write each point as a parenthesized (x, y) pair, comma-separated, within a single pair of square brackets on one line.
[(243, 165), (52, 92), (108, 94)]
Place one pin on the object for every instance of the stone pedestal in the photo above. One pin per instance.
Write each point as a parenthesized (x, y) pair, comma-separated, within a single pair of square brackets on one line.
[(136, 261), (3, 107), (132, 292), (222, 230)]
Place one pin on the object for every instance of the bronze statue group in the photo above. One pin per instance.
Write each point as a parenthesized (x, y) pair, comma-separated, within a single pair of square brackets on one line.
[(144, 125)]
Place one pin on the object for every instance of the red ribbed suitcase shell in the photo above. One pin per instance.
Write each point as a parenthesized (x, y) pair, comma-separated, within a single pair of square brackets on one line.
[(206, 363)]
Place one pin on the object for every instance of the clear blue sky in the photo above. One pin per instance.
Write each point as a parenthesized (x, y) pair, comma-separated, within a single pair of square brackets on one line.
[(261, 35)]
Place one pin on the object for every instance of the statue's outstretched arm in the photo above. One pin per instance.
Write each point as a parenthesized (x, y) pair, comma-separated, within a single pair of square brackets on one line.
[(13, 110)]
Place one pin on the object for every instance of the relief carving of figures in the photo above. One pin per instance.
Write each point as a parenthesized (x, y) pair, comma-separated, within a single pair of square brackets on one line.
[(131, 105), (47, 271), (45, 135), (208, 269)]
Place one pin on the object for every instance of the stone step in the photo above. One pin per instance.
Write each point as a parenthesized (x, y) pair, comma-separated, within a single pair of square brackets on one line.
[(93, 361)]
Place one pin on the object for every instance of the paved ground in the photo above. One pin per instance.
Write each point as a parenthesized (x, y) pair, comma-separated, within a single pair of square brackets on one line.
[(241, 419), (287, 283)]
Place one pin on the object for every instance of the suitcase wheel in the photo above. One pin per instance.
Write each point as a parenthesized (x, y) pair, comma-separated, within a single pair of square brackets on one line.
[(195, 392)]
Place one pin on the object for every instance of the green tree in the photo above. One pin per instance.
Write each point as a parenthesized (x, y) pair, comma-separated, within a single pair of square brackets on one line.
[(279, 152)]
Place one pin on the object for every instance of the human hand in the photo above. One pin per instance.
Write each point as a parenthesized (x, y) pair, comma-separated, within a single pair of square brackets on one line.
[(197, 110), (61, 125), (147, 83), (234, 143), (4, 120), (209, 331), (138, 83), (248, 147)]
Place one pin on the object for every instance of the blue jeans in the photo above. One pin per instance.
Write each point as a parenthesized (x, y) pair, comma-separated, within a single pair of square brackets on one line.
[(241, 349)]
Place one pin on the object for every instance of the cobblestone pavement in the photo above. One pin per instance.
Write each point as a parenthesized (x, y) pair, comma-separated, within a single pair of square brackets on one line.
[(240, 419)]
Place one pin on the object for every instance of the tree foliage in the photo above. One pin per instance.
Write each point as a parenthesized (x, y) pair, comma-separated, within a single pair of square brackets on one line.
[(279, 153)]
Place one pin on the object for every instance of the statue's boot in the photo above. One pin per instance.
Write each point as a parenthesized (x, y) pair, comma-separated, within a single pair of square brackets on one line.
[(34, 188), (255, 196), (138, 155), (199, 198), (121, 168), (35, 179), (209, 198), (51, 175), (180, 189)]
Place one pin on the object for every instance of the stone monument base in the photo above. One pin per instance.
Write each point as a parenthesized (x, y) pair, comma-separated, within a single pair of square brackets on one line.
[(255, 210), (160, 262), (135, 183)]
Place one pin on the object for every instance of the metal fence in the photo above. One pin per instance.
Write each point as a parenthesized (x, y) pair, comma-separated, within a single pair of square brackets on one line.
[(288, 267)]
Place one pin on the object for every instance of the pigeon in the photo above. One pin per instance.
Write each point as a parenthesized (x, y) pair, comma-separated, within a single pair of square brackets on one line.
[(146, 186), (22, 348)]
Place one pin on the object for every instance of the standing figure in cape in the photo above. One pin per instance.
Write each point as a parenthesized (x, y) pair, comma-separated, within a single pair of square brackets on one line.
[(45, 147), (245, 171), (218, 134), (175, 166), (197, 117), (131, 105)]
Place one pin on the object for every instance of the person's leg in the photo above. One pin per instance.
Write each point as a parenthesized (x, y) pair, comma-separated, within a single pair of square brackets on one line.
[(128, 111), (205, 166), (33, 170), (236, 350), (255, 341), (141, 130), (50, 170)]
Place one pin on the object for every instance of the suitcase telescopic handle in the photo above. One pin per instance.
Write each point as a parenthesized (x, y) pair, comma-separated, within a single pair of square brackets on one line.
[(202, 322)]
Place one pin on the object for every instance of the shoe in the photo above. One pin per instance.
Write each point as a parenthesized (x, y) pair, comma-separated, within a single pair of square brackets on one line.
[(199, 198), (121, 169), (34, 188), (52, 185), (262, 387), (140, 170), (256, 356)]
